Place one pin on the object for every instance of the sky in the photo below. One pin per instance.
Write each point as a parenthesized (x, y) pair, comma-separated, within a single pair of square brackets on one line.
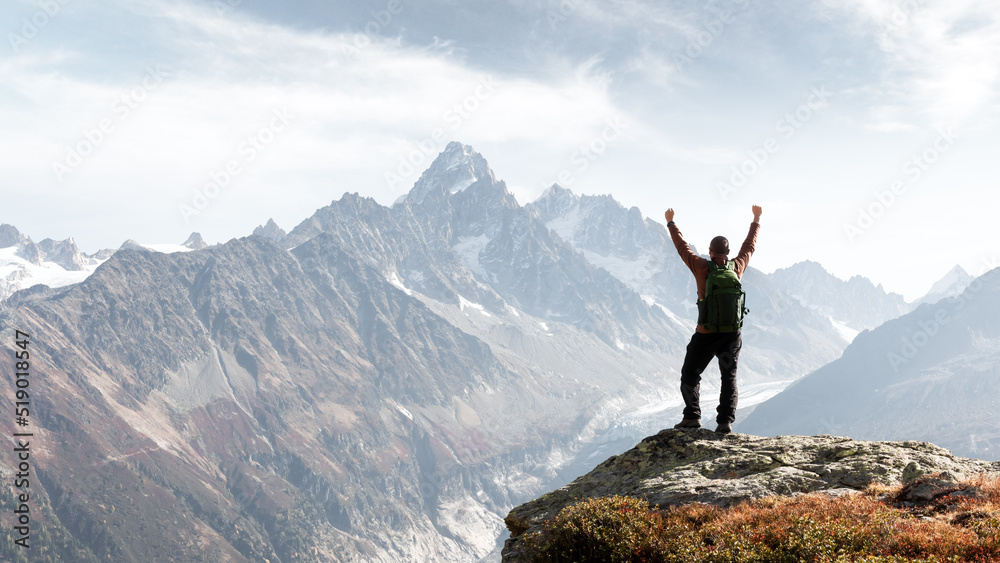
[(866, 129)]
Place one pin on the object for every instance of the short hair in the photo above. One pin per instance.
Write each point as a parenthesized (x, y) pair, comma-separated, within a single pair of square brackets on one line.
[(720, 245)]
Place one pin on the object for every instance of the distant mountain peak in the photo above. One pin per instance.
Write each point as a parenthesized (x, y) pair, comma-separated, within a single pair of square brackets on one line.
[(951, 284), (270, 230), (555, 201), (857, 302), (455, 169), (555, 191), (956, 274), (65, 253), (195, 242), (10, 236), (131, 244)]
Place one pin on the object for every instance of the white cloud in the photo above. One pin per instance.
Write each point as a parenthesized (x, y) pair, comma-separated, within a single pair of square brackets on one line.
[(360, 103), (942, 59)]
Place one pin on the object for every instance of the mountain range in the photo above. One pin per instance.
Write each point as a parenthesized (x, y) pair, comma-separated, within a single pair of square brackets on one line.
[(378, 383), (932, 374)]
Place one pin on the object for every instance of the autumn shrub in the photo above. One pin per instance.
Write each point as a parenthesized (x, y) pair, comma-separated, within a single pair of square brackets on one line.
[(612, 529), (814, 528)]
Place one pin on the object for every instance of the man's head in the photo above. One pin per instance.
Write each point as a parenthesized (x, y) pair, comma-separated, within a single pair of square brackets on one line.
[(719, 246)]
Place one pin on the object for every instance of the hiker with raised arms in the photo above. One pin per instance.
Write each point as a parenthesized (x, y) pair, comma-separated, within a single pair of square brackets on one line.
[(721, 309)]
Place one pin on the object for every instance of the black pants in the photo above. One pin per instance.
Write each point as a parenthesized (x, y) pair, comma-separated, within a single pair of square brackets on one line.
[(700, 351)]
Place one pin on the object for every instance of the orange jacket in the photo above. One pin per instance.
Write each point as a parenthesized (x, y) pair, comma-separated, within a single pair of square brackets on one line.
[(699, 265)]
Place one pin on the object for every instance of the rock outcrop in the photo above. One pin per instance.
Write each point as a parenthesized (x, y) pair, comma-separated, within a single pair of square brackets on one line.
[(679, 467)]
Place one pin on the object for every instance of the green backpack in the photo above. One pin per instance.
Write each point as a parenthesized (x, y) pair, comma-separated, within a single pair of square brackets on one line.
[(723, 308)]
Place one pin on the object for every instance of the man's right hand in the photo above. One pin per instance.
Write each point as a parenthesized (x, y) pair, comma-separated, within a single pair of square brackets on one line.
[(756, 213), (669, 214)]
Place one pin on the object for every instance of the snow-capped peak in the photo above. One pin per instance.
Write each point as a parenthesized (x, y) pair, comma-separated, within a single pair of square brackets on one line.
[(10, 236), (455, 169), (957, 276), (24, 263), (953, 283), (555, 201)]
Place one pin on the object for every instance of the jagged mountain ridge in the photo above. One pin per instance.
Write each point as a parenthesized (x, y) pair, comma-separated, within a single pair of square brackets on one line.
[(933, 374), (55, 264), (63, 253), (636, 250), (270, 230), (475, 242), (24, 263), (854, 305)]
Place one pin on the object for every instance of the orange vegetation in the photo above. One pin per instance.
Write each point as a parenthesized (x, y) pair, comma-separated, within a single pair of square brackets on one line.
[(960, 523)]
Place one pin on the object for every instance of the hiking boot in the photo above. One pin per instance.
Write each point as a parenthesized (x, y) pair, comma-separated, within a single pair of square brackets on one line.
[(688, 423), (724, 428)]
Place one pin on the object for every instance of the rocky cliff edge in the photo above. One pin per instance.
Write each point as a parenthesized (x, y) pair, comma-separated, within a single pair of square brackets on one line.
[(677, 467)]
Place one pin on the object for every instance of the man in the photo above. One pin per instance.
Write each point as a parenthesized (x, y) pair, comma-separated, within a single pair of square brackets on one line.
[(706, 344)]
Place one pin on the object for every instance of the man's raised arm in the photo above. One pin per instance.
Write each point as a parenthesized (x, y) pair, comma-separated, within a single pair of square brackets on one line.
[(749, 245), (683, 248)]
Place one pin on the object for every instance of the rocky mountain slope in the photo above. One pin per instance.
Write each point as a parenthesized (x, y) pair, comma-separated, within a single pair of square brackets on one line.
[(272, 403), (677, 467), (933, 374)]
